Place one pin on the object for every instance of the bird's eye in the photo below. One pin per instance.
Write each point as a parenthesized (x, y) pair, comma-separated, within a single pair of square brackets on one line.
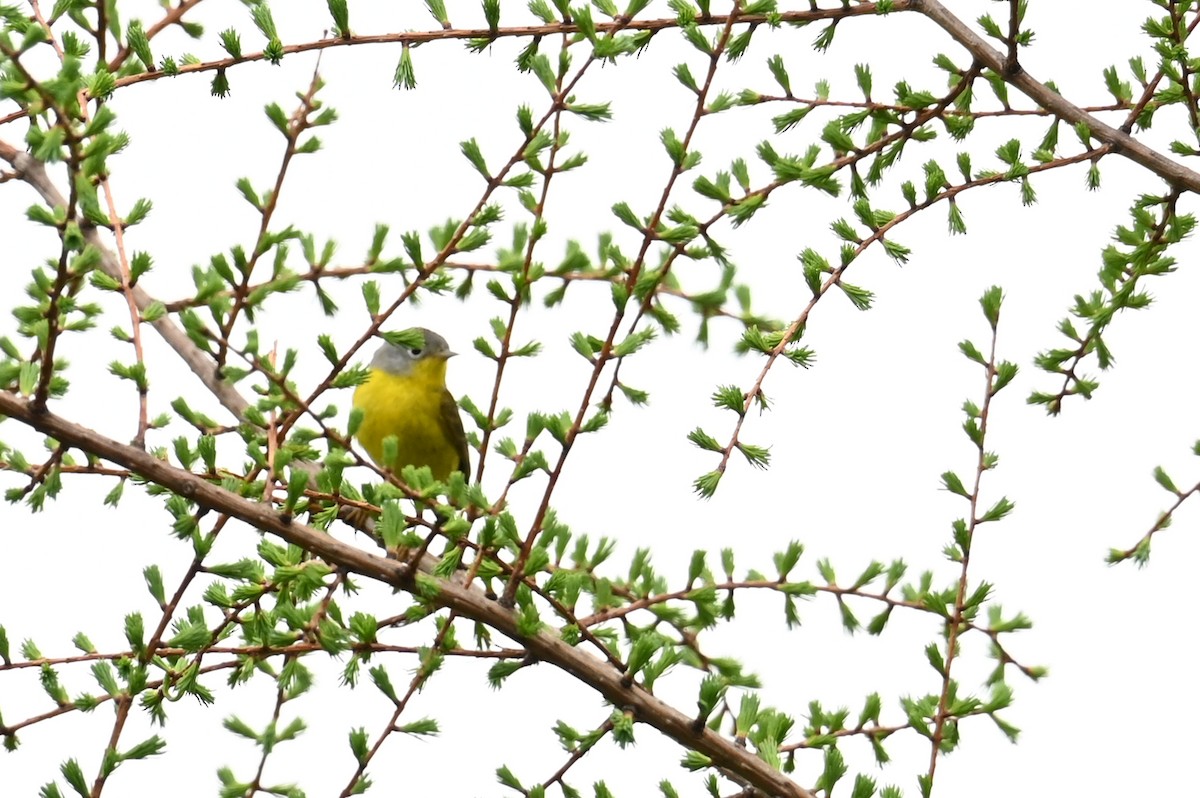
[(415, 352)]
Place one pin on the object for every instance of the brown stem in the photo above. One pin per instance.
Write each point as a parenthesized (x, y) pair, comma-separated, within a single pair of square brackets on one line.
[(1011, 65), (297, 125), (606, 350), (955, 624)]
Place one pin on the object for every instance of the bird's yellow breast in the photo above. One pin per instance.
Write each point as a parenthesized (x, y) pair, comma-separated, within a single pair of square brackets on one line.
[(408, 406)]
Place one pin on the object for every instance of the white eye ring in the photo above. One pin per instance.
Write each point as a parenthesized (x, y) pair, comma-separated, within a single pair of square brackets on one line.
[(415, 352)]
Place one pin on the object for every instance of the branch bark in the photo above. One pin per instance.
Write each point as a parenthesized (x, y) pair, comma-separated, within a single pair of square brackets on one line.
[(1118, 141), (33, 172), (465, 600)]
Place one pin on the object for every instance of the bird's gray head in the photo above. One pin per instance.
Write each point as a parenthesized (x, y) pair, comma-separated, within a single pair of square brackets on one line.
[(400, 359)]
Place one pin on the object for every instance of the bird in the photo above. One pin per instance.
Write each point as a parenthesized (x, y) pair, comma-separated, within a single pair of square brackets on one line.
[(405, 395)]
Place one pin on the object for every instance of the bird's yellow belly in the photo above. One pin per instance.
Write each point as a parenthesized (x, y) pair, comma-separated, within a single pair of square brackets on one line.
[(408, 407)]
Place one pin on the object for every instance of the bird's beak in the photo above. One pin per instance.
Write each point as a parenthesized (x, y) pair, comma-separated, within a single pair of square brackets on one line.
[(451, 354)]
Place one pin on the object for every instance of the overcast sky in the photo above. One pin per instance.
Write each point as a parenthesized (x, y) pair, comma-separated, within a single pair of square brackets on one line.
[(858, 442)]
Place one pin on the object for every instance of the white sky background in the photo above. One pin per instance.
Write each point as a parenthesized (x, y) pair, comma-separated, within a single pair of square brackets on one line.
[(857, 442)]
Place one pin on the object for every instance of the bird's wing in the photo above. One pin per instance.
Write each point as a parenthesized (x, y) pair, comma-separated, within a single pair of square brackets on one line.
[(452, 427)]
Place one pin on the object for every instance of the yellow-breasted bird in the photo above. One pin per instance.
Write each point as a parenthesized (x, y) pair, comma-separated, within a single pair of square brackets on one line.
[(406, 396)]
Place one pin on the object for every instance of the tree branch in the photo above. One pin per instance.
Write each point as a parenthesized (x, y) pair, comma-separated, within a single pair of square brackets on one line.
[(466, 601), (1121, 143), (33, 172)]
